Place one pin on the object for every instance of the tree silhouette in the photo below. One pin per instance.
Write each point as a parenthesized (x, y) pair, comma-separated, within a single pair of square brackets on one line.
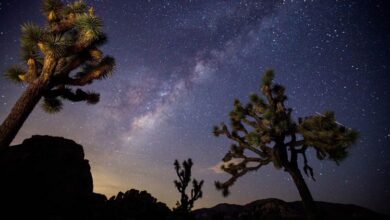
[(264, 132), (61, 54), (186, 202)]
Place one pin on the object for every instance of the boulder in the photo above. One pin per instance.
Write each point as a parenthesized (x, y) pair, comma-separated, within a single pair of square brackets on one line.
[(46, 178)]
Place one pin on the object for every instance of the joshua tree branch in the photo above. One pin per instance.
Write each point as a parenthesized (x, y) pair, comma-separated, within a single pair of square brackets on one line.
[(77, 96), (306, 168), (242, 142), (225, 186)]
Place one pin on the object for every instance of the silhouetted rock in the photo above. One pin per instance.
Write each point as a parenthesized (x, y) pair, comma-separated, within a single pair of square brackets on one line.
[(45, 177), (268, 209), (48, 178), (136, 205)]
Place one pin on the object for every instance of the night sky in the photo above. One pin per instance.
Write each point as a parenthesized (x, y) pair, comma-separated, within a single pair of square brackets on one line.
[(180, 64)]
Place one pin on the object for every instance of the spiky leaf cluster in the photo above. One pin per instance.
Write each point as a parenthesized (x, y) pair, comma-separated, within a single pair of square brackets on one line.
[(14, 74), (77, 7), (330, 139), (186, 202), (69, 41), (264, 132)]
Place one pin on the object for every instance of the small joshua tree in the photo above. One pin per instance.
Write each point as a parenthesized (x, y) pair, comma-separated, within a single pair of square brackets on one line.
[(266, 129), (186, 202), (62, 54)]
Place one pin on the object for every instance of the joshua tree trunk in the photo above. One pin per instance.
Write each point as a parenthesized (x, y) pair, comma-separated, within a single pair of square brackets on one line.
[(26, 103), (52, 54), (21, 110), (307, 199)]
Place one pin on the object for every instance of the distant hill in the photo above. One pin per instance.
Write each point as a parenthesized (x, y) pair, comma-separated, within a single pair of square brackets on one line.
[(267, 209)]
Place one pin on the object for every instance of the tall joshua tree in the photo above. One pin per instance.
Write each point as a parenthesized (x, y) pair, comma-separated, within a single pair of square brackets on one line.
[(264, 132), (186, 202), (62, 54)]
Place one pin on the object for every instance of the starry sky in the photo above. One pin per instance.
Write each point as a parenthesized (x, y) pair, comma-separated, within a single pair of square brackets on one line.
[(181, 63)]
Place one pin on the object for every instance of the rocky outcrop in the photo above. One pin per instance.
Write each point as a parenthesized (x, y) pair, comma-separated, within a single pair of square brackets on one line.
[(49, 178), (45, 177), (137, 205), (268, 209)]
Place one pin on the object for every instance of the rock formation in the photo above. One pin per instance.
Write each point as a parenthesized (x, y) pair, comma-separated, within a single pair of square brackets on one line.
[(45, 177)]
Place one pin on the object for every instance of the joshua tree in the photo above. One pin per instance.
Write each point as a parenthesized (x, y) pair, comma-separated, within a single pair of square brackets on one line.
[(186, 202), (61, 54), (264, 132)]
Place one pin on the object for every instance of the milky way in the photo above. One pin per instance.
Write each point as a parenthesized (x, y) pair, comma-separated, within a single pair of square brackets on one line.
[(180, 64)]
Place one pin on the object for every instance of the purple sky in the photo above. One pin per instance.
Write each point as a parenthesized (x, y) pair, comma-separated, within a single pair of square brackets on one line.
[(180, 64)]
